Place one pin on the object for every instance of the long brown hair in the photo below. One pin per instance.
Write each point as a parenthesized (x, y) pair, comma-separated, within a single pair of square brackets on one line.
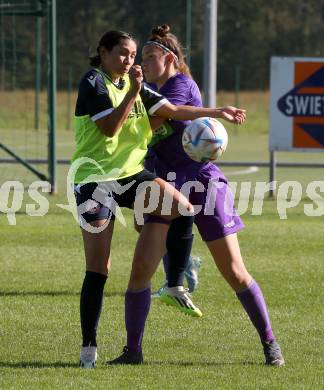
[(161, 34)]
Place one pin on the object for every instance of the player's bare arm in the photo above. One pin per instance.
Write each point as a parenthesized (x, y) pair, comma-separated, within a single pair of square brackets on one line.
[(229, 113)]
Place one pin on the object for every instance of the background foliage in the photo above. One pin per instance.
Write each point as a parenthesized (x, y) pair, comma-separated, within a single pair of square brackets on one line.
[(248, 34)]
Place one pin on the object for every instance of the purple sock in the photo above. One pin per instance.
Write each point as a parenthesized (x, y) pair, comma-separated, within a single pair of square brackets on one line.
[(254, 304), (137, 307)]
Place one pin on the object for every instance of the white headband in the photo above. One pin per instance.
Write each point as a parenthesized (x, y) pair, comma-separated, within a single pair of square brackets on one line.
[(162, 47)]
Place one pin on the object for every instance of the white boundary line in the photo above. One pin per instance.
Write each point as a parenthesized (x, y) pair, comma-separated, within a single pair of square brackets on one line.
[(252, 169)]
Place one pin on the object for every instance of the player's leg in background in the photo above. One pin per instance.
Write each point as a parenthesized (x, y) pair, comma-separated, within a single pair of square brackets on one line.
[(179, 236), (173, 292), (178, 272), (178, 240), (190, 273)]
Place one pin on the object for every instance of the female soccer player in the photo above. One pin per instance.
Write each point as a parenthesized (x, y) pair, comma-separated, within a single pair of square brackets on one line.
[(164, 67), (112, 132)]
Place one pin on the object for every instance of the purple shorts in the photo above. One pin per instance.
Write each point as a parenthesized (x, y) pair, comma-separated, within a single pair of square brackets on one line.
[(211, 196)]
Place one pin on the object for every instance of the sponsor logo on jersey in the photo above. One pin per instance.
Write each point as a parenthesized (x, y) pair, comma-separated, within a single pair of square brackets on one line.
[(138, 110), (229, 224), (92, 80)]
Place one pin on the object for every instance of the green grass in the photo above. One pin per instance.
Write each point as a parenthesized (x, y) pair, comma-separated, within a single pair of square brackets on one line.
[(17, 109), (41, 271), (42, 267)]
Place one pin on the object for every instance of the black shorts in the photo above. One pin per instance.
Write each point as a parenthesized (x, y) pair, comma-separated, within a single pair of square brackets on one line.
[(98, 201)]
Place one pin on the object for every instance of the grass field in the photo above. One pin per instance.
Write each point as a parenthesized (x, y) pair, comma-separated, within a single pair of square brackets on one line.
[(41, 271), (17, 108)]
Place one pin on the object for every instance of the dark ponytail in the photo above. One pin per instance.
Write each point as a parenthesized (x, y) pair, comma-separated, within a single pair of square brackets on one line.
[(95, 61), (109, 40)]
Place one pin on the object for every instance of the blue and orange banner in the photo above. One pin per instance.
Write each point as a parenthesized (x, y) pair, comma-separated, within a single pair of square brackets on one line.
[(303, 103)]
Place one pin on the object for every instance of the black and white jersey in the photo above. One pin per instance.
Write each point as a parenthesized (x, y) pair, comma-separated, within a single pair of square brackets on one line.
[(93, 96)]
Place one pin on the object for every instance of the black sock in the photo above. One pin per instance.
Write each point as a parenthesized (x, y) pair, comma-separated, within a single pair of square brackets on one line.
[(90, 306), (179, 243)]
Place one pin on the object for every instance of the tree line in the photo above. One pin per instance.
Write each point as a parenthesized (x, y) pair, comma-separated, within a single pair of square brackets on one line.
[(249, 33)]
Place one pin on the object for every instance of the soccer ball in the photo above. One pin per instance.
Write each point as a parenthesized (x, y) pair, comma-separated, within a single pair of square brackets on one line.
[(204, 139)]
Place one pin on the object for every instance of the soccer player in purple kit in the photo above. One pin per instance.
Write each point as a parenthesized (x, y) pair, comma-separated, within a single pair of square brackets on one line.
[(164, 67)]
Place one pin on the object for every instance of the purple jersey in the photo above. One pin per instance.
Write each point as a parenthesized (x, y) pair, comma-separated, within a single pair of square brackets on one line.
[(217, 217), (168, 153)]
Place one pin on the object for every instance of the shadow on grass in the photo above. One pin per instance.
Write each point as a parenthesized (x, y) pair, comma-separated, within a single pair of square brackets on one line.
[(38, 365), (202, 364), (148, 363), (53, 293)]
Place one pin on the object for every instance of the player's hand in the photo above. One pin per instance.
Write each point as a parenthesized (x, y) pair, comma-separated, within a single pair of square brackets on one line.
[(136, 78), (232, 114)]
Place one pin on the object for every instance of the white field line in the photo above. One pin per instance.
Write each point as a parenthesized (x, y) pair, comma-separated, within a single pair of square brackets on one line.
[(247, 171)]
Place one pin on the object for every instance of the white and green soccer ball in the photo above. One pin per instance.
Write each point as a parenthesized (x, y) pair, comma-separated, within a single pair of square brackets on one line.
[(205, 139)]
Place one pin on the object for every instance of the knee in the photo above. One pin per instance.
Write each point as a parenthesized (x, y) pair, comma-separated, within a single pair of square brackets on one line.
[(99, 270), (139, 277), (138, 271), (238, 277), (100, 267)]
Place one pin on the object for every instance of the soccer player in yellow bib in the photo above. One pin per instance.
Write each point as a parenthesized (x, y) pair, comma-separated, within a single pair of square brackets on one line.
[(112, 133)]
